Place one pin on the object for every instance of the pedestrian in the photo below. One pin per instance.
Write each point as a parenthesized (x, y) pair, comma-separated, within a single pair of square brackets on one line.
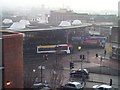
[(104, 53), (110, 82), (83, 80), (96, 55), (100, 60)]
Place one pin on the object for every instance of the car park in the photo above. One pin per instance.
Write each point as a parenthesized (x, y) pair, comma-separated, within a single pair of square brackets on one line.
[(80, 73), (103, 87)]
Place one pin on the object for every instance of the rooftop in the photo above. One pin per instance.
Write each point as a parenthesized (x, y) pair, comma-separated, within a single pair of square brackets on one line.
[(54, 28), (8, 32)]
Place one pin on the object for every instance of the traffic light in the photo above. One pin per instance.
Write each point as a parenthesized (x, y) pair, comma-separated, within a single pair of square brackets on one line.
[(80, 56), (71, 65), (83, 57), (45, 57)]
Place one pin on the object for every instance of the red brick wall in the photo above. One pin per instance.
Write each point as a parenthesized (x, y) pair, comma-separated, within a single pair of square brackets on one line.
[(13, 60)]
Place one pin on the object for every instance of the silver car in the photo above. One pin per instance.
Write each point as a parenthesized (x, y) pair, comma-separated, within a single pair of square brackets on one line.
[(103, 87)]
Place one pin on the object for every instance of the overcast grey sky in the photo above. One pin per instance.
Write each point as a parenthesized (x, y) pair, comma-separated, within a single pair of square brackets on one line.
[(84, 5)]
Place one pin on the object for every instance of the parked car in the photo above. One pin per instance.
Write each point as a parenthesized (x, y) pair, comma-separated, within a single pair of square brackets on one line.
[(103, 87), (80, 73), (41, 86), (73, 86)]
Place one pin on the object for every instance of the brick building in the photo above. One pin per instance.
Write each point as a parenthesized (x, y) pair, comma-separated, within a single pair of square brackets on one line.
[(12, 59)]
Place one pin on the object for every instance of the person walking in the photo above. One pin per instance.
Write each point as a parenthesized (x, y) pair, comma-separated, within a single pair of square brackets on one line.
[(101, 60), (104, 53), (110, 82), (96, 55), (83, 80)]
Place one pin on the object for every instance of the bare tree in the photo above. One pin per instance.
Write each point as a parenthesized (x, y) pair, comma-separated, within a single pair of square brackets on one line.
[(29, 79), (56, 76)]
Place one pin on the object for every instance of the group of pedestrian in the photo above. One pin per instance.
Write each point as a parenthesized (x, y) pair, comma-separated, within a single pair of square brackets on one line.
[(105, 52), (101, 58)]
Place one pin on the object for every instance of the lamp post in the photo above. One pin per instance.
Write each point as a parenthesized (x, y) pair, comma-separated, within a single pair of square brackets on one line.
[(57, 46), (67, 36), (88, 56), (81, 60), (101, 60), (41, 71), (8, 84), (82, 57), (35, 77), (81, 63)]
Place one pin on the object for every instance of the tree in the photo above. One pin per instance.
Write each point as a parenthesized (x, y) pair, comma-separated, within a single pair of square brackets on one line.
[(29, 79), (56, 76)]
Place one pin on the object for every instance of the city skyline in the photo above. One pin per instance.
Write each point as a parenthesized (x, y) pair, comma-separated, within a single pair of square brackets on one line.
[(90, 6)]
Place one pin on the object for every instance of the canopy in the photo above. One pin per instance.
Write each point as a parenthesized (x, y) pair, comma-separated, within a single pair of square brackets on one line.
[(76, 22), (65, 23), (17, 25), (7, 21)]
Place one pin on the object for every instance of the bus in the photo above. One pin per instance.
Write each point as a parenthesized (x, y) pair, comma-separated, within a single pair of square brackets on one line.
[(98, 41), (95, 41), (60, 48)]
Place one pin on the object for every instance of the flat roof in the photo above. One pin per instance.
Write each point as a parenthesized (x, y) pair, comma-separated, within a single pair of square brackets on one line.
[(54, 28), (8, 32)]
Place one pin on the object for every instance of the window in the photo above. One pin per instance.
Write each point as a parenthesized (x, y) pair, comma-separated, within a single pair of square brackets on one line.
[(70, 85)]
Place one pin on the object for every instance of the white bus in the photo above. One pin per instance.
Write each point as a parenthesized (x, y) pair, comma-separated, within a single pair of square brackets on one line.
[(61, 48)]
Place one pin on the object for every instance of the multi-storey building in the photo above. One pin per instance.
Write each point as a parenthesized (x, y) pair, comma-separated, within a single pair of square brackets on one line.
[(12, 60)]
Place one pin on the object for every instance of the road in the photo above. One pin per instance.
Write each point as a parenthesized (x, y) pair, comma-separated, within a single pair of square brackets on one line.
[(31, 71)]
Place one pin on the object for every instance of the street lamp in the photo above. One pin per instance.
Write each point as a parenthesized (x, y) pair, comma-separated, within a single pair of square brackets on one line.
[(34, 70), (36, 78), (101, 60), (41, 70), (67, 36), (8, 83), (88, 56), (82, 57)]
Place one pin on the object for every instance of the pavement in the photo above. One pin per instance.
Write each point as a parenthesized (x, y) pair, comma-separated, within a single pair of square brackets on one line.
[(107, 66), (101, 73), (115, 64)]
